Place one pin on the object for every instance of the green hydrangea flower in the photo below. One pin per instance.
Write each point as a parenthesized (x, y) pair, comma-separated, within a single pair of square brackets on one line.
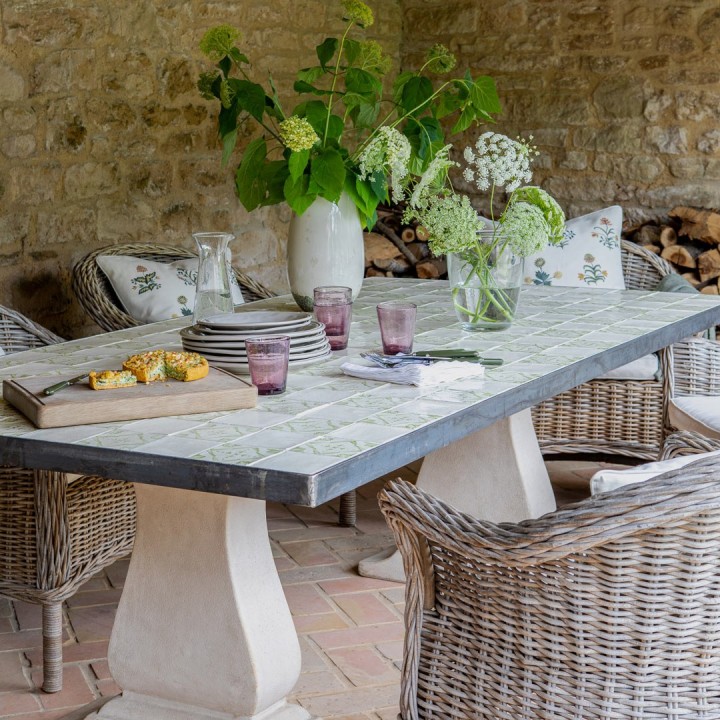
[(217, 42), (371, 57), (554, 216), (358, 12), (440, 59), (298, 134), (226, 93)]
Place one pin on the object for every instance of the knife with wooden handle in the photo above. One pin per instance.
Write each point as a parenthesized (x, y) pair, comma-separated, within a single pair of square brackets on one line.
[(65, 383)]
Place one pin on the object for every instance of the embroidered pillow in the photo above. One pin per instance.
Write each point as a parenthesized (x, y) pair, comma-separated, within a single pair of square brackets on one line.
[(150, 291), (588, 256)]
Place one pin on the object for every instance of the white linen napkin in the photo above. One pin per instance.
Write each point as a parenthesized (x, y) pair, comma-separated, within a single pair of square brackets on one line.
[(416, 373)]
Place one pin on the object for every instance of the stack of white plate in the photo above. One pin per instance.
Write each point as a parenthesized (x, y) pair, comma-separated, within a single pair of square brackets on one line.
[(221, 338)]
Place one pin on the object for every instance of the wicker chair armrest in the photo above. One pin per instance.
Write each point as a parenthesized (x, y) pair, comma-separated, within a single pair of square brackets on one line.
[(692, 367), (687, 442), (643, 269), (577, 528)]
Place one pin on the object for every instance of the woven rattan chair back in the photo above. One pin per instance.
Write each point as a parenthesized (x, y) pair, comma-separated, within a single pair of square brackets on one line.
[(610, 417), (55, 533), (99, 300), (605, 609)]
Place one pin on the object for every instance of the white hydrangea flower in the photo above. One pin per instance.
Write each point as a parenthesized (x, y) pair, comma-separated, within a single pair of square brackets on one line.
[(391, 150)]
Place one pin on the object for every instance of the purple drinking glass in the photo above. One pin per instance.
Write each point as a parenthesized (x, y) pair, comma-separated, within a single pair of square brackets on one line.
[(268, 362), (332, 306), (397, 326)]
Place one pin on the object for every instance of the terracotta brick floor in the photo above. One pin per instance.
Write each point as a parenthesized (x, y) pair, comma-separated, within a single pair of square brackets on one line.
[(350, 627)]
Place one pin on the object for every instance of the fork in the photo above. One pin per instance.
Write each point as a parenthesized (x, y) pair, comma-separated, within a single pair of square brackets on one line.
[(390, 361)]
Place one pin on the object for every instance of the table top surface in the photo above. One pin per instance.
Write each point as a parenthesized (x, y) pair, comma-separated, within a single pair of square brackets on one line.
[(329, 433)]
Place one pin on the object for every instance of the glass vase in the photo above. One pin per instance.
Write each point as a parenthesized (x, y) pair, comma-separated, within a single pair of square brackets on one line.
[(485, 291), (213, 295)]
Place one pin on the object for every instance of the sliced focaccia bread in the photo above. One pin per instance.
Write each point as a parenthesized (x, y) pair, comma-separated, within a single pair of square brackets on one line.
[(185, 366), (109, 379), (148, 366)]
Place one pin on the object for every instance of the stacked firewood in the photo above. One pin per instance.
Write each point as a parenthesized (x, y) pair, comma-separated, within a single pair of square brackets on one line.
[(689, 238), (396, 249)]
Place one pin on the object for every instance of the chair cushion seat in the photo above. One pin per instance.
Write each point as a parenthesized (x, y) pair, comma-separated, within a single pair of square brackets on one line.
[(609, 479), (644, 368), (700, 413)]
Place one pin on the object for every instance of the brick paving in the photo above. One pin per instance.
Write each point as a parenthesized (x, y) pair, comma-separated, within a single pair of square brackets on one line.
[(350, 627)]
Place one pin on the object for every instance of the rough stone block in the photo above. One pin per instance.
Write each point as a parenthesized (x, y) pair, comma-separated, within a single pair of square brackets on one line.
[(88, 180), (671, 140), (12, 85)]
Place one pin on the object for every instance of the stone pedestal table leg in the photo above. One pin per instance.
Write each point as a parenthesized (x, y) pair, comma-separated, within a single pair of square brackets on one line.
[(203, 629), (495, 474)]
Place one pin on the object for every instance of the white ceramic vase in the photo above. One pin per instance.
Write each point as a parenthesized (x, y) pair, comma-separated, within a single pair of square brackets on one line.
[(325, 247)]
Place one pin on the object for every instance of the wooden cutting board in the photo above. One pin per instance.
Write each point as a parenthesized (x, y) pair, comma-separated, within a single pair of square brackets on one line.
[(81, 405)]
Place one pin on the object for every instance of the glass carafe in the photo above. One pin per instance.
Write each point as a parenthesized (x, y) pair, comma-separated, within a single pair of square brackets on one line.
[(213, 295)]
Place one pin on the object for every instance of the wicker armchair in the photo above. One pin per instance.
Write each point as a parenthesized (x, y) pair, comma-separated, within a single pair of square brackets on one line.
[(610, 417), (56, 532), (99, 300), (605, 609)]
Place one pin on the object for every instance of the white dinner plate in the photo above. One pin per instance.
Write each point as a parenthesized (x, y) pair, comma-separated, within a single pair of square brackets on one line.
[(256, 320), (238, 351), (242, 368), (210, 335)]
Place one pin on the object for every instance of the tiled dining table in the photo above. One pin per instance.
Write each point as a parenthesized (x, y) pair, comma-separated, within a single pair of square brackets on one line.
[(203, 630)]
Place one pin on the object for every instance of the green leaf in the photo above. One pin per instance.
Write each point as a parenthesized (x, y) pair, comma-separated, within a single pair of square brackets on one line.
[(399, 84), (227, 120), (249, 183), (300, 86), (298, 195), (272, 104), (311, 74), (449, 103), (249, 96), (351, 48), (229, 142), (297, 162), (325, 51), (327, 170), (365, 201), (466, 119), (225, 65), (238, 57), (367, 115), (415, 94), (484, 97), (363, 83), (378, 185), (315, 113), (275, 174), (335, 128)]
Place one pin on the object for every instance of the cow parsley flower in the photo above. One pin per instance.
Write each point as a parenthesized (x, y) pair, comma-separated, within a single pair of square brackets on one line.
[(525, 228), (554, 216), (298, 134), (388, 150), (358, 12), (451, 223), (498, 161)]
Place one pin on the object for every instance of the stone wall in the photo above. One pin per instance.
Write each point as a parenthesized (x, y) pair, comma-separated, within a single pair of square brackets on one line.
[(104, 138), (622, 97)]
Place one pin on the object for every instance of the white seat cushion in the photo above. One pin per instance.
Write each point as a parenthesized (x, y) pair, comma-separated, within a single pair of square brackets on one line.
[(606, 480), (644, 368), (588, 256), (696, 412), (151, 291)]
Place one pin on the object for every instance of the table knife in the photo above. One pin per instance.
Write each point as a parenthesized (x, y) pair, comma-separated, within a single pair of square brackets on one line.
[(62, 385)]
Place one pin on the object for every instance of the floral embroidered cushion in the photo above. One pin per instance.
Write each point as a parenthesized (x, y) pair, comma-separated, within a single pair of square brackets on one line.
[(151, 291), (589, 255)]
